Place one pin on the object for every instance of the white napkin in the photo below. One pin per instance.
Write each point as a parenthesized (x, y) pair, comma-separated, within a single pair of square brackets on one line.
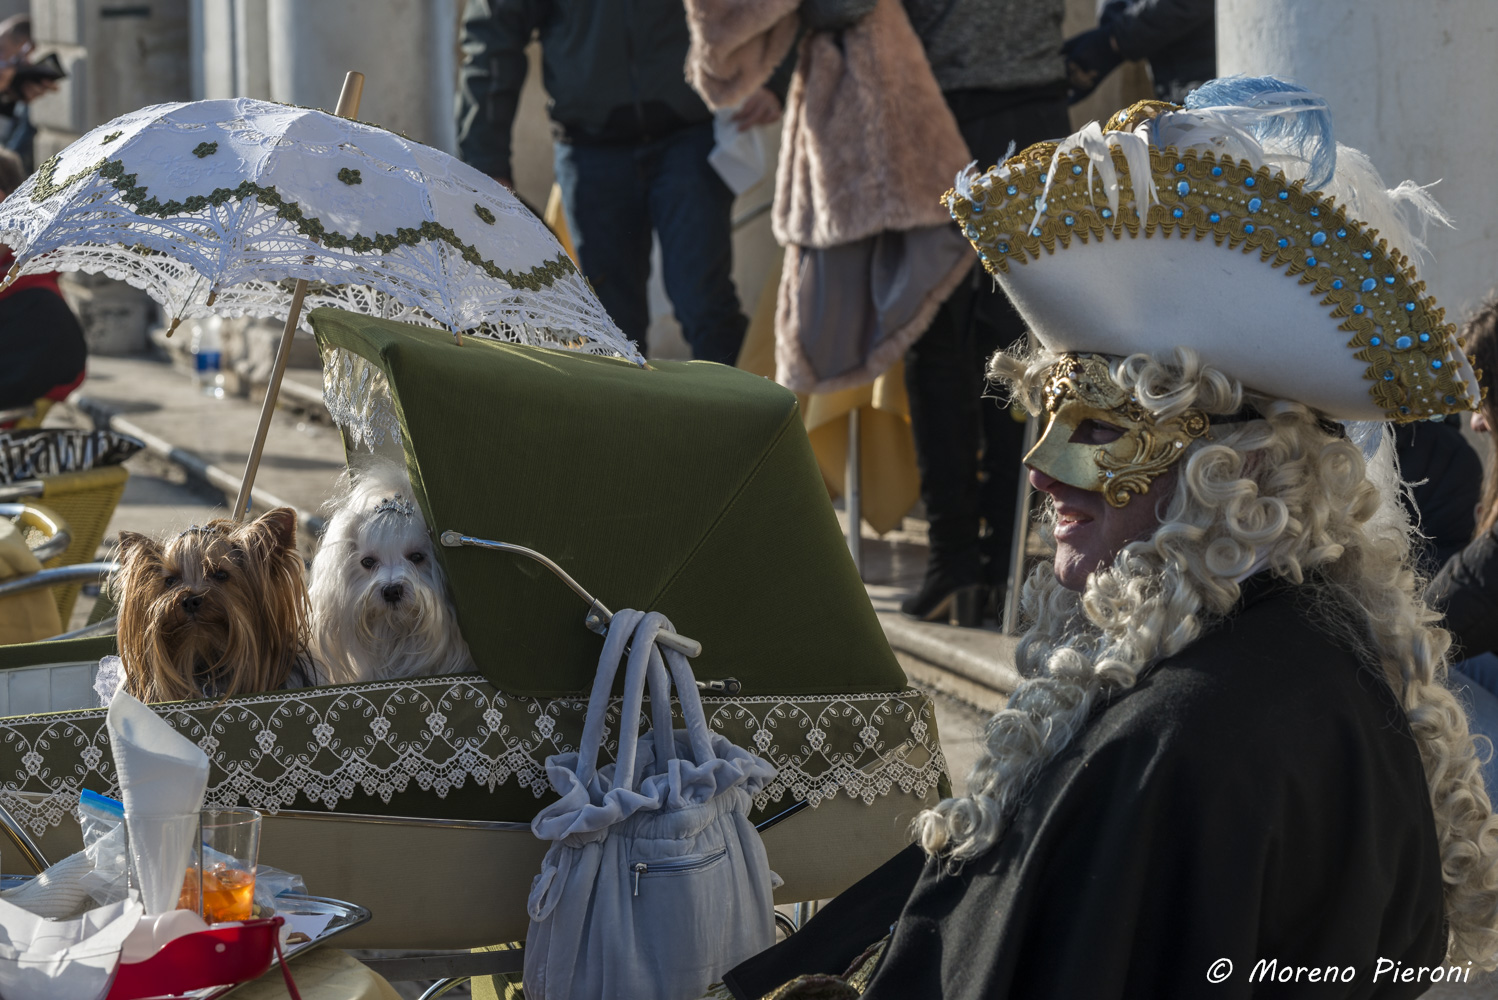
[(154, 933), (739, 154), (44, 959), (162, 779)]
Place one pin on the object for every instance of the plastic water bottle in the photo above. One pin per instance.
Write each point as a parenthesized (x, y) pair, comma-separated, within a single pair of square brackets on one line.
[(208, 356)]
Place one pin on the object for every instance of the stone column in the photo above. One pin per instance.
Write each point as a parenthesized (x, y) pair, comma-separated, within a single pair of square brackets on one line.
[(119, 57), (1407, 84), (406, 50)]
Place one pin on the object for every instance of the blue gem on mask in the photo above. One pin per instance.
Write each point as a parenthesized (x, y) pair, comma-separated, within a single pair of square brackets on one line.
[(1388, 279), (1341, 234), (1409, 307), (1178, 212), (1284, 196), (1450, 400), (1254, 204), (1284, 243), (1069, 219), (1375, 341), (1248, 227), (1404, 343), (1042, 178), (1358, 309), (1248, 182), (1214, 218), (1035, 231), (1011, 189), (1368, 285), (1076, 169), (1180, 168), (1183, 188), (1003, 248), (1424, 338), (1318, 238), (1404, 410), (1216, 171), (1435, 364), (1106, 213), (1337, 284), (1310, 262), (1367, 254), (1388, 375), (1315, 212)]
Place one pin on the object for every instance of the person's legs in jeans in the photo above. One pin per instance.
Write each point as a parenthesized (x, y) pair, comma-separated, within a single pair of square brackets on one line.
[(692, 211), (604, 195)]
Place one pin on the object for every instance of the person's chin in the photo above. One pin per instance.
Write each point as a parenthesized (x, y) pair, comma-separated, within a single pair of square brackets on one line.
[(1073, 567)]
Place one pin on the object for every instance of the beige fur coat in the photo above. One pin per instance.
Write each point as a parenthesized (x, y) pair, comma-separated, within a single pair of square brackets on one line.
[(869, 147)]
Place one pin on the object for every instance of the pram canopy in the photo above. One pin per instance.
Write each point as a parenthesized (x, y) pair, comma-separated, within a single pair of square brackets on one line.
[(681, 487)]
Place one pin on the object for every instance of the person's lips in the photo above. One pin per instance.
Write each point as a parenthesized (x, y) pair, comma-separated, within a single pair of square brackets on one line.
[(1070, 522)]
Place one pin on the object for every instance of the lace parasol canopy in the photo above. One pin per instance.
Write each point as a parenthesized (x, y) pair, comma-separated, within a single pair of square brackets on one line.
[(218, 206)]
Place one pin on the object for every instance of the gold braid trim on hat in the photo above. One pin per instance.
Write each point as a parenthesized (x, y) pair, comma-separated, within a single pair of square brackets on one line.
[(1365, 283)]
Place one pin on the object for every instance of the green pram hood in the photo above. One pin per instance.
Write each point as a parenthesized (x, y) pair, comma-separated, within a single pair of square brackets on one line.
[(684, 487)]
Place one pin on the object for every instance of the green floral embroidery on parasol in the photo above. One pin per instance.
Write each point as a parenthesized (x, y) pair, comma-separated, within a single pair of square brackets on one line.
[(111, 137), (203, 149), (143, 203), (484, 213), (350, 177)]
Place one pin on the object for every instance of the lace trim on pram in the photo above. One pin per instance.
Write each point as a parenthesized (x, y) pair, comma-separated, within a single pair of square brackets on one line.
[(357, 396), (324, 745)]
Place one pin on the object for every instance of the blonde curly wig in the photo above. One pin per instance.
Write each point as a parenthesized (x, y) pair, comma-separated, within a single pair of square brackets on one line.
[(1287, 494)]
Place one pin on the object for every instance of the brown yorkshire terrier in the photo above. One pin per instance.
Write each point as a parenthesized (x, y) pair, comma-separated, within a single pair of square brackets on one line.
[(218, 611)]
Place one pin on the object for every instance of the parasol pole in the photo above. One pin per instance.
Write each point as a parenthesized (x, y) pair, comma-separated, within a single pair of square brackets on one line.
[(348, 107)]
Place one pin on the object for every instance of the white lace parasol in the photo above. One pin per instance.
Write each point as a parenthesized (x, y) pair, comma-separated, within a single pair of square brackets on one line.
[(212, 206)]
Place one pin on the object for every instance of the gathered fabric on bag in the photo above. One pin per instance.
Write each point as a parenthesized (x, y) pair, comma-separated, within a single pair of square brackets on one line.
[(656, 883)]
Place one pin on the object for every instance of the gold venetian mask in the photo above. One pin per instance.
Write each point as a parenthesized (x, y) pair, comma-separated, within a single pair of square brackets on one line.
[(1080, 388)]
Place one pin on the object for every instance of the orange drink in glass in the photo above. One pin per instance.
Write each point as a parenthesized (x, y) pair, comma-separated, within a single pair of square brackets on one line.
[(220, 880)]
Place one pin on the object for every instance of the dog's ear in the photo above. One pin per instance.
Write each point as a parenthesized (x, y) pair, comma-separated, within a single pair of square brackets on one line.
[(134, 545), (278, 527)]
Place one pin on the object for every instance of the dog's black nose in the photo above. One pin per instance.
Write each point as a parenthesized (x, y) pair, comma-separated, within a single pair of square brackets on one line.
[(191, 603), (393, 592)]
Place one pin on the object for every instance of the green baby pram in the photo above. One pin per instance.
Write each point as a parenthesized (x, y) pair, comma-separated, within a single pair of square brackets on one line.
[(686, 488)]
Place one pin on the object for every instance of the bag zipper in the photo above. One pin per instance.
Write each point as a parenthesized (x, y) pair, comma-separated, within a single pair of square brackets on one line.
[(675, 866)]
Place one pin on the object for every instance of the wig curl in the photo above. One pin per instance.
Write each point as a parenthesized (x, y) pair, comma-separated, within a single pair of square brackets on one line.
[(1280, 491)]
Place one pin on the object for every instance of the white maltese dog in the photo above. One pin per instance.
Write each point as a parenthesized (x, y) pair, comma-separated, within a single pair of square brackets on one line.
[(380, 609)]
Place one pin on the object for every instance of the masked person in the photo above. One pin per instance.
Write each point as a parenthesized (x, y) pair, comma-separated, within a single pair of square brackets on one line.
[(1234, 764)]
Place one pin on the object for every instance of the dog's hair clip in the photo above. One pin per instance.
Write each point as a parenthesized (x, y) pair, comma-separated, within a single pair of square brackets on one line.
[(395, 505)]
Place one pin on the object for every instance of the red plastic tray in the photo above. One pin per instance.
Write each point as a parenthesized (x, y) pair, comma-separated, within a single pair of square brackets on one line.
[(219, 956)]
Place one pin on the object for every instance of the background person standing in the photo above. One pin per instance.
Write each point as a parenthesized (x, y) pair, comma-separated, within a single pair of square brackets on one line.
[(632, 141), (999, 66)]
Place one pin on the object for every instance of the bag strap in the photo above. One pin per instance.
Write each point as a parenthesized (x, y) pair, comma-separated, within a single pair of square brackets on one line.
[(691, 704), (620, 629), (686, 693), (641, 651)]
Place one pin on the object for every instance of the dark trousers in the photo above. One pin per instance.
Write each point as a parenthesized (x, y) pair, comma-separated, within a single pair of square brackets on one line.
[(967, 445), (616, 194)]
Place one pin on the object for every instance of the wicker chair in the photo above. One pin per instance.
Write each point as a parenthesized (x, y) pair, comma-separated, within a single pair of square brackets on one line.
[(84, 502)]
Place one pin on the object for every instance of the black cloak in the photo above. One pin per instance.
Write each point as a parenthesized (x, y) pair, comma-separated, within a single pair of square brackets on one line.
[(1258, 799)]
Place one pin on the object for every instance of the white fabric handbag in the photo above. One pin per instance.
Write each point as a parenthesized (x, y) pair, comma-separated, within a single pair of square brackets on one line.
[(656, 883)]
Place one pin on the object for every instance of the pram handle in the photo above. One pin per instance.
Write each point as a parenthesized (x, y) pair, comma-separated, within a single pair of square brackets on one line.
[(598, 617)]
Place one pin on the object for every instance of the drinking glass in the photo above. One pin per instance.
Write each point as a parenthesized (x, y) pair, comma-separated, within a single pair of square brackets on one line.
[(220, 881)]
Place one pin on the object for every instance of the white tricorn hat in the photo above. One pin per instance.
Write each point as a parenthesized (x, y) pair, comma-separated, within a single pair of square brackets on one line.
[(1234, 226)]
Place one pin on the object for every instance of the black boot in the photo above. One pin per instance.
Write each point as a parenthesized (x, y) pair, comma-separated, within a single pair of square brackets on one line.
[(944, 600)]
